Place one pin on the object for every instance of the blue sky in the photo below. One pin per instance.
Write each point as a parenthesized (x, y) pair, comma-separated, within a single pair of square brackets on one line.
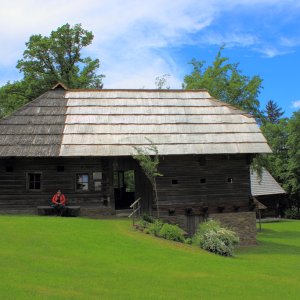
[(137, 41)]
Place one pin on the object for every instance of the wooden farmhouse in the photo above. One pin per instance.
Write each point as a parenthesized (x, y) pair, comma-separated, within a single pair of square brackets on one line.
[(81, 141)]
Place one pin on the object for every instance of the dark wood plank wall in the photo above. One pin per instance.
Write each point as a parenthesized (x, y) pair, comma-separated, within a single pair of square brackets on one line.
[(181, 185), (187, 171), (15, 195)]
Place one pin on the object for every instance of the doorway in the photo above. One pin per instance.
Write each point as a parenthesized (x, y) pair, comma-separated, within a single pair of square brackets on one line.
[(124, 188)]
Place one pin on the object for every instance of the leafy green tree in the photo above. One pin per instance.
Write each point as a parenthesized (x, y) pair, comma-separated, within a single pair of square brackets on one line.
[(58, 58), (273, 112), (225, 81), (293, 176), (277, 135), (148, 159), (284, 163), (49, 59), (11, 97)]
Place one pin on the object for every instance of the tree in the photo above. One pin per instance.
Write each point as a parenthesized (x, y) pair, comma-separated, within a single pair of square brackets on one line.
[(273, 112), (58, 58), (226, 82), (293, 167), (48, 60), (277, 136), (284, 163), (148, 159)]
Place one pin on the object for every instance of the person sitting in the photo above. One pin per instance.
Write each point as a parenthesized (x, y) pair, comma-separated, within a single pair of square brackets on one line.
[(58, 202)]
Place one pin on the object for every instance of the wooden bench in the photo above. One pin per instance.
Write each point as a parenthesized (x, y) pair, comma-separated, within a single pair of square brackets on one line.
[(69, 211)]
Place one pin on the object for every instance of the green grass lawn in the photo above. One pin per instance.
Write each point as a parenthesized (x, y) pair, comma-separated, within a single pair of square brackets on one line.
[(77, 258)]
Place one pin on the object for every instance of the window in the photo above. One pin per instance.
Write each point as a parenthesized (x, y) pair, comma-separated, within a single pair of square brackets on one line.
[(82, 182), (9, 168), (203, 180), (34, 181), (174, 181), (230, 180), (97, 177)]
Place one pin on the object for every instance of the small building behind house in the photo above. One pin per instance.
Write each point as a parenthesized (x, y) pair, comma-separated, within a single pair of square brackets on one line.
[(268, 191)]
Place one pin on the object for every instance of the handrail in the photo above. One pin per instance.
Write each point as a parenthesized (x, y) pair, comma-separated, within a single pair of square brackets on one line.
[(133, 204), (136, 207)]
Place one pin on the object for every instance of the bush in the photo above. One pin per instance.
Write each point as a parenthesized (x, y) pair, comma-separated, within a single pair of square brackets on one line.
[(188, 241), (204, 228), (148, 218), (292, 213), (171, 232), (212, 237), (155, 227)]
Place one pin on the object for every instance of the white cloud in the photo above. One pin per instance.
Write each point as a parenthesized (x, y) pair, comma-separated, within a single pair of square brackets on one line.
[(129, 34), (296, 104), (270, 51)]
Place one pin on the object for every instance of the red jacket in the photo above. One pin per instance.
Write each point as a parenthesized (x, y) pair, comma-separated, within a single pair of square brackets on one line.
[(62, 199)]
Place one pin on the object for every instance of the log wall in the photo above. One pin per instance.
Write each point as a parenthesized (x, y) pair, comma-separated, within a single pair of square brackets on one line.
[(190, 185), (16, 197), (211, 182)]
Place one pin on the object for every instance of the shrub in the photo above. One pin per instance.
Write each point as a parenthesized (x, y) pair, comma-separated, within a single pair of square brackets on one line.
[(212, 237), (188, 241), (148, 218), (171, 232), (204, 228), (141, 224), (292, 213), (155, 227)]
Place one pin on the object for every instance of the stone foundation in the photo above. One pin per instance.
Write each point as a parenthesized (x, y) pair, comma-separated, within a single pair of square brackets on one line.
[(243, 223)]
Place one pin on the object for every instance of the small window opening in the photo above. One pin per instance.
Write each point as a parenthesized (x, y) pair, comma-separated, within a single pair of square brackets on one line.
[(9, 169), (34, 181), (230, 180), (60, 168), (203, 180), (82, 182), (174, 181)]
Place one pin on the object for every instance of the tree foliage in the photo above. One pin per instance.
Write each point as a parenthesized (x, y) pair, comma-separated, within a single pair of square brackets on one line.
[(225, 81), (284, 163), (49, 59), (277, 136), (273, 112), (293, 145), (148, 159)]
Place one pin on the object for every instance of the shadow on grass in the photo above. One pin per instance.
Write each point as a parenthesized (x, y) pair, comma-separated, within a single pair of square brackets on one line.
[(275, 248), (269, 233)]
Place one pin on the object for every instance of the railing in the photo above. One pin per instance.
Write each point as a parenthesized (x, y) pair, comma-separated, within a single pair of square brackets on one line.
[(136, 208)]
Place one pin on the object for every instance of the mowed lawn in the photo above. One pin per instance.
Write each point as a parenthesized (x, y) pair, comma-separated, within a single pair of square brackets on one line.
[(78, 258)]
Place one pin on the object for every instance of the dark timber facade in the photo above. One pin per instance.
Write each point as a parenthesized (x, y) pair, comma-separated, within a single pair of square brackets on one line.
[(189, 182)]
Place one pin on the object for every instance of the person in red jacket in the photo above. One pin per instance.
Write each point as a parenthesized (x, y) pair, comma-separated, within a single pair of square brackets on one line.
[(58, 202)]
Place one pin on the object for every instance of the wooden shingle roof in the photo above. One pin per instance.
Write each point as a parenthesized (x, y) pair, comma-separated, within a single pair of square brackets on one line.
[(264, 185), (110, 122)]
